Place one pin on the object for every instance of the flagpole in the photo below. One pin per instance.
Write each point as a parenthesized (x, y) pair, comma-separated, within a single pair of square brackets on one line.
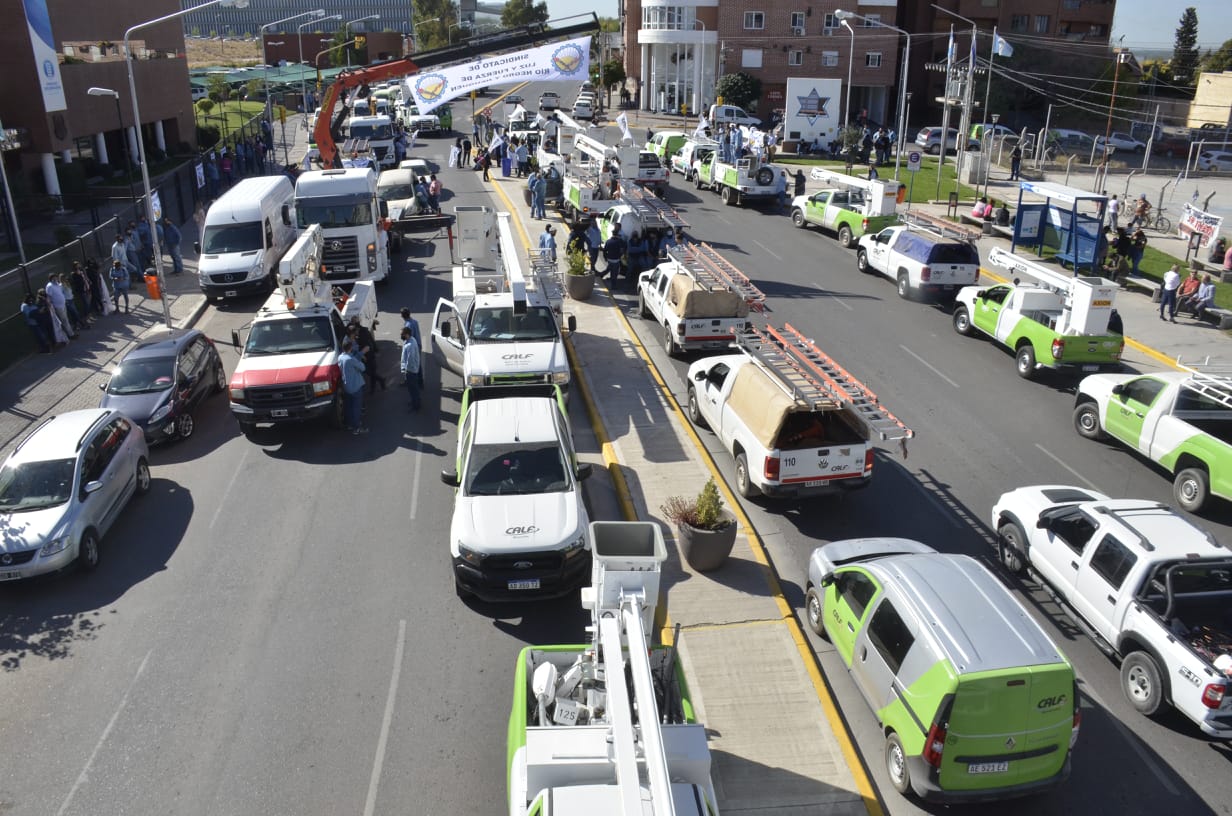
[(945, 111), (988, 85)]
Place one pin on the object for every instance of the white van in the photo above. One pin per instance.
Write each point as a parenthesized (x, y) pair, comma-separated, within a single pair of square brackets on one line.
[(245, 235), (731, 114)]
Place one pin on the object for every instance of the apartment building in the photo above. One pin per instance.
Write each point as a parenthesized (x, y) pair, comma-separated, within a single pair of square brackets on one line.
[(675, 52)]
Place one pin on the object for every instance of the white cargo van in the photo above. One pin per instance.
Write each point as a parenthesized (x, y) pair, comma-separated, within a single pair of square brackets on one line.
[(731, 114), (246, 233)]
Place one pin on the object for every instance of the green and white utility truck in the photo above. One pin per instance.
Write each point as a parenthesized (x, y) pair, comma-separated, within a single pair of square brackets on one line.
[(589, 172), (849, 207), (737, 182), (606, 727), (1180, 420), (1058, 322), (638, 211)]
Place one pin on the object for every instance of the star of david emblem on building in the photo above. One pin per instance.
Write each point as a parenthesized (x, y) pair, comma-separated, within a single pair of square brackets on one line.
[(812, 106)]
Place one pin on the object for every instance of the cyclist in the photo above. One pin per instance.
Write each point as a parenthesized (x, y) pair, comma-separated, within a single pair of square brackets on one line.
[(1142, 211)]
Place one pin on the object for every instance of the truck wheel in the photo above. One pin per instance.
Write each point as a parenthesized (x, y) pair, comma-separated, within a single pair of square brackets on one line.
[(642, 311), (862, 261), (335, 414), (1086, 421), (744, 485), (669, 344), (1011, 547), (815, 611), (797, 218), (896, 764), (695, 414), (845, 238), (728, 195), (904, 286), (1024, 361), (962, 321), (697, 180), (1191, 488), (1142, 683), (765, 177)]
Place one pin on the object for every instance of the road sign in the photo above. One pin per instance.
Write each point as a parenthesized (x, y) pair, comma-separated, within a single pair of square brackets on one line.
[(913, 160)]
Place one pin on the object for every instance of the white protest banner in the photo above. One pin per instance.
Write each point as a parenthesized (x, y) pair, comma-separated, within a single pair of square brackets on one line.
[(1195, 220), (569, 60)]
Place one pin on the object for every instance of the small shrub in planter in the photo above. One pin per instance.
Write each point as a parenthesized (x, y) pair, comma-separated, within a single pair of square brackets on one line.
[(705, 531)]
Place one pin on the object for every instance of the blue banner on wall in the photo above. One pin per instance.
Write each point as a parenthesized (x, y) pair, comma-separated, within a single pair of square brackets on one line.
[(46, 59)]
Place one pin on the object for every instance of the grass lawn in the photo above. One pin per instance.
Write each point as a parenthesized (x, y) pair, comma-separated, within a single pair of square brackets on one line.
[(230, 116), (922, 190)]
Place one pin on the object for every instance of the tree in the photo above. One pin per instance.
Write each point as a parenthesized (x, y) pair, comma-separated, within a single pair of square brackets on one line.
[(205, 106), (216, 88), (1219, 61), (432, 21), (738, 89), (523, 12), (613, 74), (1185, 50), (609, 25)]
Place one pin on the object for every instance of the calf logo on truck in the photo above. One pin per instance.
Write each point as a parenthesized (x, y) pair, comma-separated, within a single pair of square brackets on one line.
[(813, 106), (517, 531), (1049, 703)]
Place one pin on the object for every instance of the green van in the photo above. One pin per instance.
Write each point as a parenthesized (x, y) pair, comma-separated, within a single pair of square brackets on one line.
[(664, 143), (975, 700)]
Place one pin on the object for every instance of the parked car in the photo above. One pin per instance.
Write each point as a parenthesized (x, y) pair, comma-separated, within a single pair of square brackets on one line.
[(163, 380), (929, 139), (583, 109), (514, 99), (1215, 160), (549, 100), (1074, 143), (1122, 142), (63, 488)]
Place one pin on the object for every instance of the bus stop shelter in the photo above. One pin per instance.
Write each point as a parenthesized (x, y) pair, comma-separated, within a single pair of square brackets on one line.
[(1069, 220)]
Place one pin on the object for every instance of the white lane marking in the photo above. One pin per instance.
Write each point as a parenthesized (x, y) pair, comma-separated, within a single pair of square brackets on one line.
[(1133, 740), (1073, 472), (415, 483), (721, 218), (928, 365), (84, 776), (370, 805), (768, 250), (833, 297), (239, 469)]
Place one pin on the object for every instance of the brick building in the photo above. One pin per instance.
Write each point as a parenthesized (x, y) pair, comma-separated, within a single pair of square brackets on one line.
[(675, 53)]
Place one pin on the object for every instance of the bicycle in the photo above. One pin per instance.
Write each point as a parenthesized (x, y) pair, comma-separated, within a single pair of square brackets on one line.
[(1160, 222)]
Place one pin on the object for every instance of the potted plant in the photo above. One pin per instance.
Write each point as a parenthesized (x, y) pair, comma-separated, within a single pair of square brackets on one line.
[(579, 282), (706, 532)]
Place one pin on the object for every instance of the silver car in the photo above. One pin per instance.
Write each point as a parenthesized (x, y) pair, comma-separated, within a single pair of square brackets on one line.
[(63, 488)]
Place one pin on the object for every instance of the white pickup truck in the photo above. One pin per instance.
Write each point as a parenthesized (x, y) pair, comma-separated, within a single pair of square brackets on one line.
[(701, 301), (922, 261), (795, 422), (1149, 587)]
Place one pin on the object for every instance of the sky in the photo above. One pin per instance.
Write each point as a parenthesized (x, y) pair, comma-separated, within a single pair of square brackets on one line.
[(1138, 20)]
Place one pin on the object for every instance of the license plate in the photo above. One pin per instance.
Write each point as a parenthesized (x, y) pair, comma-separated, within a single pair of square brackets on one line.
[(988, 767), (1090, 368), (279, 413), (230, 293), (815, 483), (530, 583), (11, 575)]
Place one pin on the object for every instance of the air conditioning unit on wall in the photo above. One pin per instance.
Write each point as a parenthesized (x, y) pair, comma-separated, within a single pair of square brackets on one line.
[(798, 30)]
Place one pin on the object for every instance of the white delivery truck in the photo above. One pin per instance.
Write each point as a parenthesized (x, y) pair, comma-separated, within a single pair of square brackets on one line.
[(245, 234), (344, 203), (378, 130)]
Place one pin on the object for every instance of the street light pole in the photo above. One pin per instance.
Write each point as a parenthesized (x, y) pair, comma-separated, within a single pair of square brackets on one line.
[(347, 33), (8, 198), (851, 60), (1121, 56), (415, 29), (699, 99), (145, 170), (265, 60), (128, 159), (299, 33), (902, 90)]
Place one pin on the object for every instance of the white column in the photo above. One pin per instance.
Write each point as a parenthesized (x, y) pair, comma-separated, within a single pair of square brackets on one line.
[(160, 138), (131, 134), (697, 78), (66, 156), (50, 179), (100, 148)]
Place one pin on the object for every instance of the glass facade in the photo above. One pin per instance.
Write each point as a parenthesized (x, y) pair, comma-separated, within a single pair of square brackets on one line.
[(395, 16), (668, 18)]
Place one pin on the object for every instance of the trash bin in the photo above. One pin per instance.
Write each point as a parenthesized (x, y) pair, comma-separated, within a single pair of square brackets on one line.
[(153, 290), (506, 167)]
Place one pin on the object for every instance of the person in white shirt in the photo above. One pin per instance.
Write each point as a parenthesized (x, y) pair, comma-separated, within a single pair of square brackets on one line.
[(1114, 211), (57, 301), (1167, 296)]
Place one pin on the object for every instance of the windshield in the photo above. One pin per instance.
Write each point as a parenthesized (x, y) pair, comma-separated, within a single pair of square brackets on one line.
[(396, 192), (334, 211), (35, 485), (503, 325), (232, 238), (287, 336), (371, 132), (511, 470), (142, 376)]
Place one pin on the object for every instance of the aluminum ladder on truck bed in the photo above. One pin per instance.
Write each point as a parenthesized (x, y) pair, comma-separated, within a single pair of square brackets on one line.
[(713, 271), (359, 146), (817, 380), (650, 208), (933, 223), (545, 274), (1212, 386)]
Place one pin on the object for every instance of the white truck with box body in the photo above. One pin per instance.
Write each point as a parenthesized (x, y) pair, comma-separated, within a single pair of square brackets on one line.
[(246, 232), (501, 328), (795, 422), (1149, 587), (378, 130), (699, 299), (345, 204), (288, 370)]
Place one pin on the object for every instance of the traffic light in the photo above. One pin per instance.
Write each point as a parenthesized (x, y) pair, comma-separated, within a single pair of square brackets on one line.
[(361, 41)]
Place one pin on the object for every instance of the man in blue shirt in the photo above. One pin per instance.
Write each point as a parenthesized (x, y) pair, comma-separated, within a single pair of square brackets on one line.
[(412, 325), (594, 243), (169, 236), (547, 243), (411, 367), (352, 387)]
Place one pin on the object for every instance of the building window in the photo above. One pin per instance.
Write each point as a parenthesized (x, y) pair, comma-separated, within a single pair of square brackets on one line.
[(754, 20), (795, 57), (797, 20), (829, 24), (871, 20), (1071, 5), (829, 59), (1018, 22), (750, 58), (1041, 23), (872, 59), (1098, 29)]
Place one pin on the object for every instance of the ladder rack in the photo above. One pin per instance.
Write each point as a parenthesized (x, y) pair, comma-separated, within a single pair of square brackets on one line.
[(714, 272), (1211, 386), (817, 380), (1044, 276), (355, 146), (649, 207), (546, 276), (933, 223)]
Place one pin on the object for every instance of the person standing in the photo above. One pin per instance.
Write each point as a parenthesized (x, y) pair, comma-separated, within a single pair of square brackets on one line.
[(80, 285), (199, 219), (412, 374), (145, 244), (352, 387), (47, 320), (799, 182), (1139, 248), (594, 243), (1015, 162), (29, 313), (1114, 211), (367, 347), (56, 300), (132, 244), (1167, 295), (540, 197), (1141, 212), (412, 325), (76, 319), (780, 186), (434, 194), (171, 242), (547, 243), (120, 280), (466, 152), (613, 255), (485, 164), (98, 288)]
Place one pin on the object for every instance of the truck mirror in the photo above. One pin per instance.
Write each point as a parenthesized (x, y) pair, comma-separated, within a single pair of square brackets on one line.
[(700, 376), (1119, 389), (286, 214), (450, 477), (983, 293), (584, 471), (235, 338), (827, 580), (445, 329), (1041, 524), (197, 247), (572, 323)]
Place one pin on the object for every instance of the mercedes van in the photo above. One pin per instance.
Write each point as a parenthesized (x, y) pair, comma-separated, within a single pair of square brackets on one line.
[(975, 700), (246, 232)]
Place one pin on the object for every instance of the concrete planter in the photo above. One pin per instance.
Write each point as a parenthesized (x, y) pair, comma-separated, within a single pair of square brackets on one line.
[(580, 287), (706, 550)]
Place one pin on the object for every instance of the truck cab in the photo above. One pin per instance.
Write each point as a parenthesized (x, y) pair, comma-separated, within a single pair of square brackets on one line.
[(850, 207), (378, 130), (344, 203)]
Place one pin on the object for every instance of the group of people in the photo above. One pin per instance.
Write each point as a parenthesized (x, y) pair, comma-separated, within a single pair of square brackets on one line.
[(1192, 294), (360, 371), (623, 257), (57, 312), (244, 156), (1140, 217), (1120, 256), (987, 210)]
